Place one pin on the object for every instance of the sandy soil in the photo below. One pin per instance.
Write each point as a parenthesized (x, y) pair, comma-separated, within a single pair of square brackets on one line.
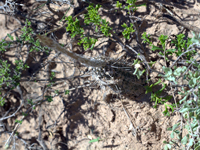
[(89, 112)]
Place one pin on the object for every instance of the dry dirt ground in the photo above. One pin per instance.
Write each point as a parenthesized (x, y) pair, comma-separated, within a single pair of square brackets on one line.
[(86, 113)]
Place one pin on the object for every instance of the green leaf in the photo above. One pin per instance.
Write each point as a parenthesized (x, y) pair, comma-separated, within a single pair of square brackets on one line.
[(166, 147), (183, 99), (183, 110), (172, 135), (6, 146), (193, 82), (18, 121), (11, 37), (175, 126), (124, 25), (169, 146), (166, 112), (155, 48), (159, 81), (191, 142), (172, 78), (169, 129), (146, 38), (119, 5), (170, 51), (66, 92), (162, 39), (197, 148), (127, 31), (148, 89), (152, 63), (2, 101), (176, 131), (140, 73), (94, 140), (28, 23), (49, 98), (168, 71), (30, 101), (184, 140), (178, 71), (165, 142)]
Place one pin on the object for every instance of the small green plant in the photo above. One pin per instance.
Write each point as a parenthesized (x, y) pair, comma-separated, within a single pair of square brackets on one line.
[(74, 27), (17, 72), (146, 38), (11, 77), (180, 45), (66, 92), (131, 5), (3, 46), (119, 5), (168, 145), (171, 75), (174, 131), (87, 42), (91, 18), (10, 80), (49, 98), (18, 121), (162, 40), (190, 105), (128, 30), (28, 38), (171, 106), (156, 97), (5, 73)]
